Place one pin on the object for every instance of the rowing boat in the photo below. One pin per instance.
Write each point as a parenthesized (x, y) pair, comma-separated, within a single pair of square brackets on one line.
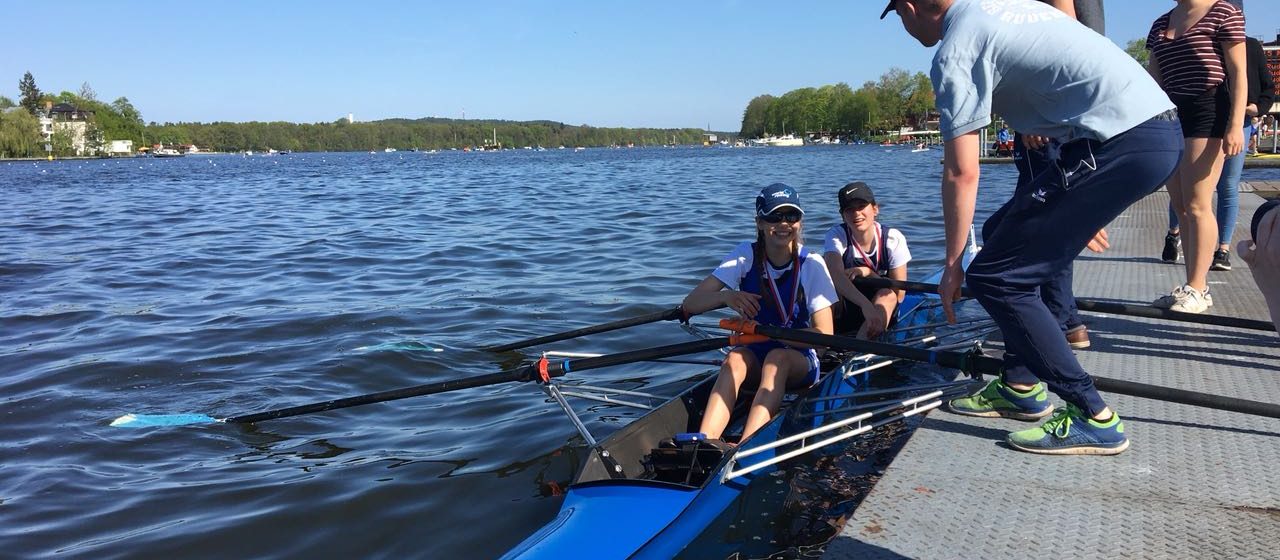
[(640, 495)]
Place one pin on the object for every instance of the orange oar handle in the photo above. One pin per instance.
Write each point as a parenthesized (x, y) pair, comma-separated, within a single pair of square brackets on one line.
[(738, 325), (745, 339)]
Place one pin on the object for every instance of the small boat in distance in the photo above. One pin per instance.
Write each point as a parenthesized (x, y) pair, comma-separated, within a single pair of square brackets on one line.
[(786, 140), (167, 152)]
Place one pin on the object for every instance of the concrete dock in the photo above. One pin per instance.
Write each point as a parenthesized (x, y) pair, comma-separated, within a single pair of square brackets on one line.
[(1195, 483), (1262, 161)]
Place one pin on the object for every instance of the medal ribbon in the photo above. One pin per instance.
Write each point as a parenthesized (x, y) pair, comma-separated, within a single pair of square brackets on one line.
[(784, 313), (879, 248)]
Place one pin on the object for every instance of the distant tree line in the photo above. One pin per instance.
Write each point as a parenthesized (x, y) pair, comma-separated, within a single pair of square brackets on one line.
[(120, 120), (427, 133), (896, 99)]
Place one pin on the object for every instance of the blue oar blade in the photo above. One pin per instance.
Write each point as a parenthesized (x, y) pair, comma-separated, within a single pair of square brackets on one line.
[(158, 420), (406, 345)]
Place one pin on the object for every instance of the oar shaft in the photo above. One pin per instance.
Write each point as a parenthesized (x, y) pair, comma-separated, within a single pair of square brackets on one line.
[(991, 366), (522, 373), (1169, 314), (668, 315), (1113, 308), (668, 351), (1192, 398)]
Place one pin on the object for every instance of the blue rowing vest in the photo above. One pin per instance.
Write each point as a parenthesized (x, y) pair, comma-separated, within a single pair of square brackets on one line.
[(787, 284), (853, 255)]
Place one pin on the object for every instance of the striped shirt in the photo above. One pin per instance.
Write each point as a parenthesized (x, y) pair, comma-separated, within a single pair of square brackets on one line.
[(1193, 63)]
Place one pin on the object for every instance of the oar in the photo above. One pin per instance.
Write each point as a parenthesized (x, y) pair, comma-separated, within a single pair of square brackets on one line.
[(976, 363), (543, 369), (1096, 306), (668, 315)]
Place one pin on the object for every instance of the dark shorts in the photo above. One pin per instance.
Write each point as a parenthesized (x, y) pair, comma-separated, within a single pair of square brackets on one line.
[(1206, 115), (849, 318), (762, 349)]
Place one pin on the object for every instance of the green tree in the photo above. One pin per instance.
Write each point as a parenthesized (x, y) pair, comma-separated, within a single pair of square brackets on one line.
[(126, 110), (19, 134), (30, 94), (920, 100), (896, 99), (1137, 48), (6, 103), (838, 99), (94, 141), (753, 118), (63, 142), (892, 92)]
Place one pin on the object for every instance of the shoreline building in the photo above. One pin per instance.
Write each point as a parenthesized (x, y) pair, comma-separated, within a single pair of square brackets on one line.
[(1272, 52), (69, 119)]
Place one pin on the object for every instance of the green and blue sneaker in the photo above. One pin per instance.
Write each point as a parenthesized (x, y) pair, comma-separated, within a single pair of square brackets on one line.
[(1000, 400), (1072, 432)]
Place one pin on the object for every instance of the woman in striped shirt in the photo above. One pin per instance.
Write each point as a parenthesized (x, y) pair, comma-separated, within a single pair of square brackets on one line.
[(1198, 57)]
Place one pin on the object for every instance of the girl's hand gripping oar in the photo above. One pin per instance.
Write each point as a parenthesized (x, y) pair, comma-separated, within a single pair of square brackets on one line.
[(543, 370), (668, 315), (977, 364)]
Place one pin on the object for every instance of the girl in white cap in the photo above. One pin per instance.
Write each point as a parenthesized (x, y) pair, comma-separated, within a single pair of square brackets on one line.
[(773, 281)]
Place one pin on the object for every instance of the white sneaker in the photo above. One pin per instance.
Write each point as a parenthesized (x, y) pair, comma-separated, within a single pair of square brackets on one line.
[(1166, 301), (1190, 300), (1169, 300)]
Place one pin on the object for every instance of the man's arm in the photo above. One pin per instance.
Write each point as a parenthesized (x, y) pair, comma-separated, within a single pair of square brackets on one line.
[(959, 196), (959, 192)]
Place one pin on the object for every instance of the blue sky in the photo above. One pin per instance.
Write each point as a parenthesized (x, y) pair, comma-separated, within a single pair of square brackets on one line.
[(602, 62)]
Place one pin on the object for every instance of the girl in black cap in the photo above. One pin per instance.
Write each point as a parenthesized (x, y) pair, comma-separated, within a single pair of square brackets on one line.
[(773, 281), (859, 247)]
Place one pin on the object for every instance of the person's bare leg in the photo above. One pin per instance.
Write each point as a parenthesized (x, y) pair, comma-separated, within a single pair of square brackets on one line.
[(733, 371), (781, 368), (1199, 171)]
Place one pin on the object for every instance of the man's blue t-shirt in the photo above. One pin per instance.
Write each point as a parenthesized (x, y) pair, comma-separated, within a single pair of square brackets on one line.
[(1044, 72)]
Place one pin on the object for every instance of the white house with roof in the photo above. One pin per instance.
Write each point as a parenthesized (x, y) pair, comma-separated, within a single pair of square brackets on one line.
[(70, 120)]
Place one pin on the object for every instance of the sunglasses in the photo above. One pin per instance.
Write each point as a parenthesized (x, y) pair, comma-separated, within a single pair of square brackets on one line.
[(857, 205), (776, 217)]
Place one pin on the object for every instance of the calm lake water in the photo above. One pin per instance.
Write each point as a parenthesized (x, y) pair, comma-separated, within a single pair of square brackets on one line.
[(228, 285)]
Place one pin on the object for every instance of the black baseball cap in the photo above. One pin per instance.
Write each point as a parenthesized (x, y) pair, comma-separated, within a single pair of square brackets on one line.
[(892, 4), (856, 190)]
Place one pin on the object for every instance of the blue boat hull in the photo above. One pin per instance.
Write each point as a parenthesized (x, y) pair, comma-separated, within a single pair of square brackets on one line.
[(630, 517)]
